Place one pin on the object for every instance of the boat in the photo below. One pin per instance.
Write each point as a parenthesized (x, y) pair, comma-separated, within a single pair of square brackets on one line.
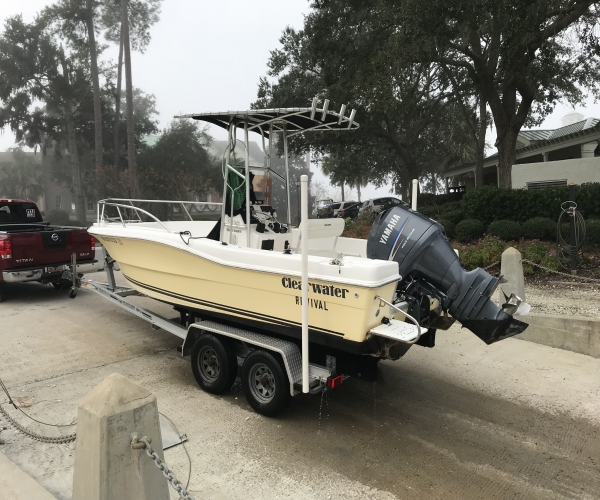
[(367, 299)]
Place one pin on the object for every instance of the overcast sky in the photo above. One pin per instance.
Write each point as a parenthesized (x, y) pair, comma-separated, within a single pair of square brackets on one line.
[(208, 55)]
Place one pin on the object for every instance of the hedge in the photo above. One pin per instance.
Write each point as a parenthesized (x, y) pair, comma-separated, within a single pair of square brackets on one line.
[(489, 203), (449, 227), (592, 235), (59, 217), (469, 229), (540, 228), (507, 230)]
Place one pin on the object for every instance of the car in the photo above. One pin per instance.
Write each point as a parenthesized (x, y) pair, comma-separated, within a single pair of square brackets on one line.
[(341, 205), (325, 208), (350, 211), (378, 204)]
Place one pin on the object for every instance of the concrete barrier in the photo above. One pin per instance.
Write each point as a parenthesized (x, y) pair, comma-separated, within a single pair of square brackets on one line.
[(511, 267), (106, 466), (572, 333)]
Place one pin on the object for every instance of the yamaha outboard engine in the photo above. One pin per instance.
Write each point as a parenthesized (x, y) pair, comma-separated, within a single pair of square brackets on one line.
[(429, 265)]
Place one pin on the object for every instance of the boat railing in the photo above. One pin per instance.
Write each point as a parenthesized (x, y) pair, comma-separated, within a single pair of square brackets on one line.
[(125, 207)]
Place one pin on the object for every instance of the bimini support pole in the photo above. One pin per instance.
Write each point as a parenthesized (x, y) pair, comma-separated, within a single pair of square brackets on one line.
[(287, 175), (304, 250), (248, 202), (415, 190), (224, 163)]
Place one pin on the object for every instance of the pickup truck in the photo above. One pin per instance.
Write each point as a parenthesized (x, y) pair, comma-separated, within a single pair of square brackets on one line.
[(33, 250)]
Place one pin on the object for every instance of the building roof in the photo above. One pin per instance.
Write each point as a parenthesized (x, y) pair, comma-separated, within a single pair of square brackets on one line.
[(540, 139)]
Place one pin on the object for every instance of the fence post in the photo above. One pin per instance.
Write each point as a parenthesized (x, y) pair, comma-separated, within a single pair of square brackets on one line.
[(106, 466), (511, 268)]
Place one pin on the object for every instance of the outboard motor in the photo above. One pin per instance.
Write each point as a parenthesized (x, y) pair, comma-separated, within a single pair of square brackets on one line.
[(420, 247)]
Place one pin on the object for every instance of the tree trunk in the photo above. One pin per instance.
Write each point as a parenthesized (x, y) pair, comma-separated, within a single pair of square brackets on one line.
[(76, 184), (480, 149), (506, 144), (342, 184), (96, 86), (358, 191), (116, 138), (129, 99), (75, 166)]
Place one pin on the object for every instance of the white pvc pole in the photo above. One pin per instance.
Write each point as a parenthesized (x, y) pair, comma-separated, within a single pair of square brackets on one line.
[(415, 188), (304, 250)]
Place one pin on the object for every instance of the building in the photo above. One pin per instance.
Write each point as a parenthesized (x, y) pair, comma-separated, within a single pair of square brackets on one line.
[(569, 154)]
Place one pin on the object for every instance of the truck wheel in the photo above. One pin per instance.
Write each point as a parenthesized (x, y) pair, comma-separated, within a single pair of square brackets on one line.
[(265, 383), (214, 364)]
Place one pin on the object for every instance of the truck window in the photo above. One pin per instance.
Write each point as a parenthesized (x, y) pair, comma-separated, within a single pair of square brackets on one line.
[(19, 213)]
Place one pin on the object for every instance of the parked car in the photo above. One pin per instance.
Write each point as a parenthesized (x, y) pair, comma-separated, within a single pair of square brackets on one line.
[(341, 205), (350, 211), (325, 208), (377, 204), (33, 250)]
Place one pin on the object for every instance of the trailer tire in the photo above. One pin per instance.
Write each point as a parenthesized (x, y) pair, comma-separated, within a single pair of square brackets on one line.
[(214, 364), (265, 383)]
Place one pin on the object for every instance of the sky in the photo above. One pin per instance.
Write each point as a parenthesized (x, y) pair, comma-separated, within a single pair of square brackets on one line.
[(208, 55)]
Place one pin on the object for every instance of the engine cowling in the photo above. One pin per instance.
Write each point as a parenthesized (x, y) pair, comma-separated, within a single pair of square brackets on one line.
[(420, 247)]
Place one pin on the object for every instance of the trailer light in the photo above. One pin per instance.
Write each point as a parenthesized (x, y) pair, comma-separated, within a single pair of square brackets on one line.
[(333, 382), (93, 242), (5, 247)]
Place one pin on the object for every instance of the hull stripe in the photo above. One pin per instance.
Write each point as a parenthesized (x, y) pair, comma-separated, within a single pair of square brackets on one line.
[(214, 305)]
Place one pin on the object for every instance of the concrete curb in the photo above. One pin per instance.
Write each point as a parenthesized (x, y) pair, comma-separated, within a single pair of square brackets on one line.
[(16, 484), (572, 333)]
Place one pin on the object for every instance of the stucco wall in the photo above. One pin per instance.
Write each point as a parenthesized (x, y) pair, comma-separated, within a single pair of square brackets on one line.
[(577, 171)]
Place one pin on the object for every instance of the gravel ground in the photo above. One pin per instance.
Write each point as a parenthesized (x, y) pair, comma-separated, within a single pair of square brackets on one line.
[(558, 298), (460, 421)]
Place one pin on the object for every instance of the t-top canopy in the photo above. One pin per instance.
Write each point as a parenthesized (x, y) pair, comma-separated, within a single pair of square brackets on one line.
[(295, 120)]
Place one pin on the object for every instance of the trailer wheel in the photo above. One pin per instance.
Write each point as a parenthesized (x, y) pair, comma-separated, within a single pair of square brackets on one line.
[(265, 383), (214, 364)]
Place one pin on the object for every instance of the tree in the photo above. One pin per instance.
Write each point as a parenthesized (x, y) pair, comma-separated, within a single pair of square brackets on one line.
[(179, 166), (345, 53), (128, 23), (23, 178), (522, 56), (76, 24), (35, 67)]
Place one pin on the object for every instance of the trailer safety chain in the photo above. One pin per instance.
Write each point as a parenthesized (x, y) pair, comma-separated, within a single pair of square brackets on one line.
[(144, 443), (34, 435)]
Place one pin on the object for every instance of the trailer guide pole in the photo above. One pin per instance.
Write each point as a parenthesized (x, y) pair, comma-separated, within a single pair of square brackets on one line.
[(304, 250)]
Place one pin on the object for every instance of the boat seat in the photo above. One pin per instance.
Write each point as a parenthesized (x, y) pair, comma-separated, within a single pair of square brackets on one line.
[(321, 228)]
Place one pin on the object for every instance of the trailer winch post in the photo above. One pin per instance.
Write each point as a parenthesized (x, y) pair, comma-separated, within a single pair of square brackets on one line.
[(304, 250)]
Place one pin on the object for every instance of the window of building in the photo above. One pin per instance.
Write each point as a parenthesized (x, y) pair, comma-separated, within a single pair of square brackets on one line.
[(58, 201), (90, 205), (73, 206)]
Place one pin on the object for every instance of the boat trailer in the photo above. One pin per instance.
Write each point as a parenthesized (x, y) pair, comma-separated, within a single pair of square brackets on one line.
[(207, 360)]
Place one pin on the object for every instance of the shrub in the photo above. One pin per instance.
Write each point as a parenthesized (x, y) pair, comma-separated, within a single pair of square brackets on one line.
[(454, 216), (451, 206), (506, 230), (592, 235), (59, 217), (469, 229), (430, 211), (449, 227), (540, 228)]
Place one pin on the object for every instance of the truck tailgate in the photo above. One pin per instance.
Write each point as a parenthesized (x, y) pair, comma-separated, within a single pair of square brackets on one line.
[(49, 246)]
